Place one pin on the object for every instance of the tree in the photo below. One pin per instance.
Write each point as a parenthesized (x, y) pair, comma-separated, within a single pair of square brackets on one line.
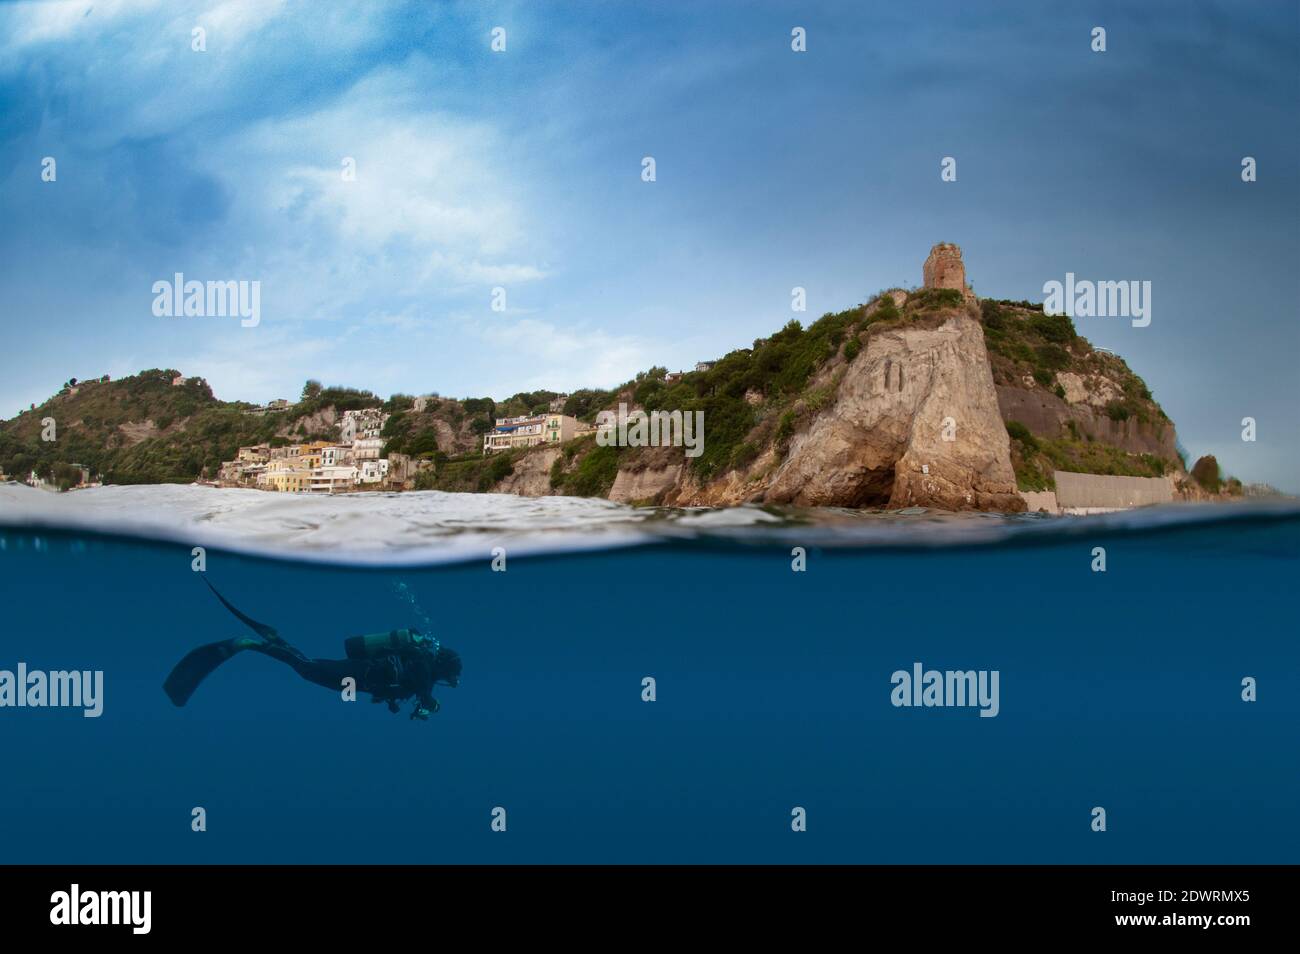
[(1206, 473), (311, 390)]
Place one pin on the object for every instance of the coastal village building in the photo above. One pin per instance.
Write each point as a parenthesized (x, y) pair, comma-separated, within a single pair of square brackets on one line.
[(313, 448), (511, 432), (324, 466), (372, 471), (328, 480), (279, 404), (700, 366), (286, 474), (247, 467), (364, 423), (562, 427), (356, 460), (533, 429), (367, 448), (335, 455)]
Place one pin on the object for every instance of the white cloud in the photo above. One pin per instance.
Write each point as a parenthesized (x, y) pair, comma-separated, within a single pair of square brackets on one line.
[(429, 212), (61, 20), (234, 20), (529, 353), (461, 272), (255, 364)]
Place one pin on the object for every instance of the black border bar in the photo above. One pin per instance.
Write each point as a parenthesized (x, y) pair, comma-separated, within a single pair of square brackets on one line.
[(387, 905)]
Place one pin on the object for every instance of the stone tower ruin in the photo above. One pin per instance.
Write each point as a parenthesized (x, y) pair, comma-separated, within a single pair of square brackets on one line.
[(943, 268)]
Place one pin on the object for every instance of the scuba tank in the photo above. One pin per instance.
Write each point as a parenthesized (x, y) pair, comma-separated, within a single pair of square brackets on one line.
[(393, 642)]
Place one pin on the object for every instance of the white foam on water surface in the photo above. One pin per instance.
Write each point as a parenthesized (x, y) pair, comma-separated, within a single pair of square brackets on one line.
[(435, 527)]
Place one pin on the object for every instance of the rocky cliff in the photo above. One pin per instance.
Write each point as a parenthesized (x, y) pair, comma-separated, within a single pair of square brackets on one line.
[(913, 421)]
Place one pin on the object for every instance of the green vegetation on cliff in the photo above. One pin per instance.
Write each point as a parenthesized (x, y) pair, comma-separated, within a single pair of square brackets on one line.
[(1035, 459), (585, 469), (137, 430), (1025, 343)]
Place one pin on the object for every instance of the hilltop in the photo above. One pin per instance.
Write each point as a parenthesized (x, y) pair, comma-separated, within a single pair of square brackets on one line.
[(1061, 404), (159, 426)]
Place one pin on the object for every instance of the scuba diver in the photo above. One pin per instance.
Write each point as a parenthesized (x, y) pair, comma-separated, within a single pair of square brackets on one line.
[(394, 666)]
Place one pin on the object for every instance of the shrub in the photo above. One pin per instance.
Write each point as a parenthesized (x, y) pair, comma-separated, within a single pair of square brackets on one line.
[(500, 467), (886, 310), (992, 315), (785, 429), (744, 454), (594, 475), (423, 444), (1206, 473), (1053, 357), (1055, 328), (1155, 463), (1019, 351), (1018, 432), (930, 299)]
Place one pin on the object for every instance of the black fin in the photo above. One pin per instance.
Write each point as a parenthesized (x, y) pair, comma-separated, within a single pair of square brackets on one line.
[(198, 664), (266, 632)]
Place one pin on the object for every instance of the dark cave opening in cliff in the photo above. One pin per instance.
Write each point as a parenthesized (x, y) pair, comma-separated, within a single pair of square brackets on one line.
[(874, 489)]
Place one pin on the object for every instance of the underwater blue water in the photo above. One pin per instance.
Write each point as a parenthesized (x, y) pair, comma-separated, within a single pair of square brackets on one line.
[(1119, 689)]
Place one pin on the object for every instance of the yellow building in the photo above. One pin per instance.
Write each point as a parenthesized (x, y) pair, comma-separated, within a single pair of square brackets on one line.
[(289, 481), (561, 428), (288, 474)]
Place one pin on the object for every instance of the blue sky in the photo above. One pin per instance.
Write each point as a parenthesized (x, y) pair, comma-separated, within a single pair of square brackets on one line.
[(521, 169)]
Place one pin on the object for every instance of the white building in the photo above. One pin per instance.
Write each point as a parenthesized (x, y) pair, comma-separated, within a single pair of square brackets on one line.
[(367, 448), (373, 471), (524, 431), (335, 455), (327, 480), (365, 423)]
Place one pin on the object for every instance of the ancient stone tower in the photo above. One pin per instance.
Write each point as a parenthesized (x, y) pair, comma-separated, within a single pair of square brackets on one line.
[(944, 269)]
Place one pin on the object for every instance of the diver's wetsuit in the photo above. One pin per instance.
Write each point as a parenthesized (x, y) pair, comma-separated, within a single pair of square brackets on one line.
[(387, 678), (407, 664)]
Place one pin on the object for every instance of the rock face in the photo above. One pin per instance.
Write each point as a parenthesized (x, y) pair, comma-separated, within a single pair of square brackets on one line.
[(1095, 390), (1046, 415), (915, 423), (943, 268), (322, 420), (644, 485), (532, 474)]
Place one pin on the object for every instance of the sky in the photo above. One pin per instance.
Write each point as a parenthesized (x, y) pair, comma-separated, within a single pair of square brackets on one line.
[(522, 169)]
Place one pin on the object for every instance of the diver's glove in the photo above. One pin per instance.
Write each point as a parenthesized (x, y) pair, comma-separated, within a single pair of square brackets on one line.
[(422, 712)]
